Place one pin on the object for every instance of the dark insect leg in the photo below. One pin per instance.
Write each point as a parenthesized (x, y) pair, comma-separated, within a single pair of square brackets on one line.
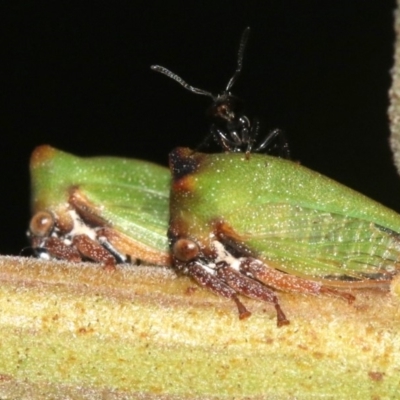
[(268, 139), (226, 143), (229, 145), (56, 248), (251, 288), (216, 285), (91, 249), (282, 146), (252, 137)]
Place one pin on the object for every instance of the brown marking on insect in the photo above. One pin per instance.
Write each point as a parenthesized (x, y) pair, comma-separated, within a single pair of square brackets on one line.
[(58, 249), (133, 248), (41, 154), (174, 229), (286, 282), (91, 249), (183, 185), (181, 164), (86, 210)]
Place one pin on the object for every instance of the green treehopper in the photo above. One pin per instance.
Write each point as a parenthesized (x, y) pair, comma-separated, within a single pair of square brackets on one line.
[(248, 225), (98, 208)]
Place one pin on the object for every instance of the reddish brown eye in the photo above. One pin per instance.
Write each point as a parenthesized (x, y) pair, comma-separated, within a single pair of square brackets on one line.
[(41, 224), (185, 249), (222, 109)]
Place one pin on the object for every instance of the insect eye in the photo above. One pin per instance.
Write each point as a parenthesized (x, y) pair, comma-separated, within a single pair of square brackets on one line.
[(220, 111), (223, 110), (185, 250), (41, 224)]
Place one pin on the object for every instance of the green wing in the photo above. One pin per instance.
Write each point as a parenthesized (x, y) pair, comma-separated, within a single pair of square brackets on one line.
[(312, 243), (137, 211)]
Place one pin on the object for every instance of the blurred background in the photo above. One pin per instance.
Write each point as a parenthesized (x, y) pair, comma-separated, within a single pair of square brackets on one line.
[(77, 76)]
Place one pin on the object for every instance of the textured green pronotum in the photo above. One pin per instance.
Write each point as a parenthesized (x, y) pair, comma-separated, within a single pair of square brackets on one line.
[(239, 223), (98, 208)]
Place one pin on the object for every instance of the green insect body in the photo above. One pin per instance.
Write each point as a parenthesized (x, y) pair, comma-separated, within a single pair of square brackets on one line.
[(99, 208), (239, 224)]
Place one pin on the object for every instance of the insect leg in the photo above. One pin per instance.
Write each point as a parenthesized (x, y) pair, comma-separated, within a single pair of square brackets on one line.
[(222, 139), (286, 282), (268, 139), (251, 288), (283, 144), (93, 250), (55, 247), (217, 286)]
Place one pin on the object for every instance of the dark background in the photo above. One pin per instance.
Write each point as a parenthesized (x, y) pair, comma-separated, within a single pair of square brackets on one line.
[(77, 77)]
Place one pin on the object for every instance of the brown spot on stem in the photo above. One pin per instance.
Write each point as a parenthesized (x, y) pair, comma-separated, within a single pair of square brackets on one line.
[(376, 376)]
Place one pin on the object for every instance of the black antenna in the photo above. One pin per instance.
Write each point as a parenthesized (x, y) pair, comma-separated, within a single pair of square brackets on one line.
[(242, 46), (177, 78)]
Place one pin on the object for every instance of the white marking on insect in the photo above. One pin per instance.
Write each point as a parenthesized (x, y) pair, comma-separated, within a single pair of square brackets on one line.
[(44, 255), (110, 248), (224, 256), (80, 228), (209, 267)]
